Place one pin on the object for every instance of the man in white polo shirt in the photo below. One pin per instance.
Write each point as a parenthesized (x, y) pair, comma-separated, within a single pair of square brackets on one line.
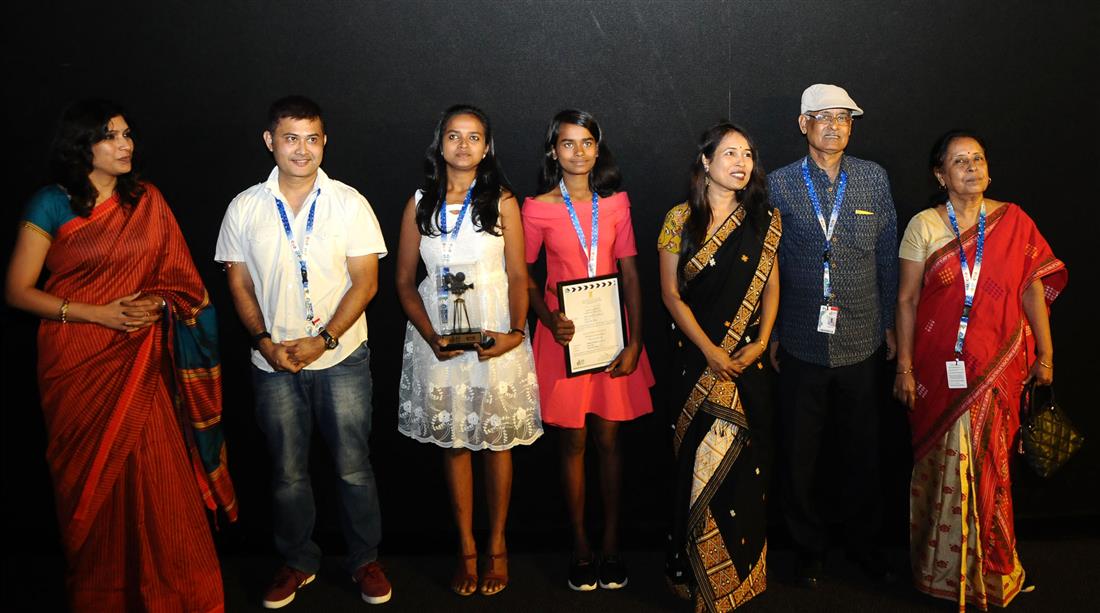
[(301, 254)]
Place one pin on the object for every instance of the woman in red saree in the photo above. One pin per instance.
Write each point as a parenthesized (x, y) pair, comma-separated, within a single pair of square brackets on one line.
[(963, 545), (127, 336)]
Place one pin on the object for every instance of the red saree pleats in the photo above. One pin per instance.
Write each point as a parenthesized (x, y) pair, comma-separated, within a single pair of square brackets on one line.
[(150, 548)]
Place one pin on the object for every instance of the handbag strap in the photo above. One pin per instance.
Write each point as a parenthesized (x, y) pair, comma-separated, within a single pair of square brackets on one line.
[(1025, 404), (1042, 396), (1035, 398)]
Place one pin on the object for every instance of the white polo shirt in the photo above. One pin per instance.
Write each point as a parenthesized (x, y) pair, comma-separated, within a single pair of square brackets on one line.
[(344, 226)]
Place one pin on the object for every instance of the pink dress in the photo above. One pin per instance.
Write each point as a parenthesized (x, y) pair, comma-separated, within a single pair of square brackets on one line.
[(566, 401)]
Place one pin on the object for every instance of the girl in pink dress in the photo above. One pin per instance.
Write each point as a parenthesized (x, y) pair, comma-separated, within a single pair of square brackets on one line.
[(579, 177)]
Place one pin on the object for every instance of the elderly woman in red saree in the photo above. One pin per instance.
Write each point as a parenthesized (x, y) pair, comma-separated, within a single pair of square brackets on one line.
[(720, 283), (976, 283), (127, 354)]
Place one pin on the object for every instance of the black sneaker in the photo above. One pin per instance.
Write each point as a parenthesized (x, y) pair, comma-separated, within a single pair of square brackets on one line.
[(612, 573), (582, 574)]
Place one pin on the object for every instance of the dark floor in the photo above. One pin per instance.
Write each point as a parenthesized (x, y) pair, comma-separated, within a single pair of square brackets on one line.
[(1067, 572)]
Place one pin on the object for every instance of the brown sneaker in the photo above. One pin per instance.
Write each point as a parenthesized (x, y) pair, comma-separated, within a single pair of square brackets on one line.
[(286, 584), (374, 587)]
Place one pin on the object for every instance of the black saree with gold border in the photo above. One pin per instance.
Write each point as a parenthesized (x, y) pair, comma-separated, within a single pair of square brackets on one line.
[(722, 431)]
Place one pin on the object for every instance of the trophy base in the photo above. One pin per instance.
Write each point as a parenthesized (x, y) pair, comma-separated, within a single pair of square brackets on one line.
[(464, 339)]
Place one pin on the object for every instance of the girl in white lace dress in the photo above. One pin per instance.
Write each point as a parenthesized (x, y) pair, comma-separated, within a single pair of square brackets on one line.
[(466, 220)]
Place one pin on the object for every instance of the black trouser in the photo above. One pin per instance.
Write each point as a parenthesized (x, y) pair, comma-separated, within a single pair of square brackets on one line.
[(846, 398)]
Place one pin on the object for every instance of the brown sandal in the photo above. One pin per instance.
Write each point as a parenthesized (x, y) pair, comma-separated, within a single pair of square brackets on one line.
[(464, 583), (488, 576)]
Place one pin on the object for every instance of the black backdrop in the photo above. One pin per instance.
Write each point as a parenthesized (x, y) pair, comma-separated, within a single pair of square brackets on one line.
[(198, 78)]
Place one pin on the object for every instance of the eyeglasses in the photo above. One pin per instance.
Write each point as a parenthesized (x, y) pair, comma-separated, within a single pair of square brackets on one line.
[(841, 119)]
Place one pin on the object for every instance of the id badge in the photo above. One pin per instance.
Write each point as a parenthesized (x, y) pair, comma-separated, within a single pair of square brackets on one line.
[(442, 295), (956, 375), (826, 319)]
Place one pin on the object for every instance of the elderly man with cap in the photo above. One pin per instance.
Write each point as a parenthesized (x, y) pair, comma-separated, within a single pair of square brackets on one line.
[(839, 286)]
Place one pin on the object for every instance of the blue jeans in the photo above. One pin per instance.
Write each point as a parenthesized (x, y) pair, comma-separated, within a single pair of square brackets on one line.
[(339, 398)]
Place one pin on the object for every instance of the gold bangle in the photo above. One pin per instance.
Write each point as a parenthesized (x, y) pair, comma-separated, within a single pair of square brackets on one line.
[(64, 311), (906, 371), (1044, 364)]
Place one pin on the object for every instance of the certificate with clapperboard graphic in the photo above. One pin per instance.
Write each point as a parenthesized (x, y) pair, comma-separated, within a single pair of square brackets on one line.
[(595, 306)]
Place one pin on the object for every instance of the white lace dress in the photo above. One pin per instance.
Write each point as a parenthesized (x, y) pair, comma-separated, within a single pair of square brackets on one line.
[(462, 402)]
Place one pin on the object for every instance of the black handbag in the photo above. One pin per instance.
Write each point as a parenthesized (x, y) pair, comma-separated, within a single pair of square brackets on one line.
[(1046, 434)]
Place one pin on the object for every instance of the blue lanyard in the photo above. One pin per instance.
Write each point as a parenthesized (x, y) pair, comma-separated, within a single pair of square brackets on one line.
[(461, 214), (827, 230), (300, 253), (970, 277), (591, 250)]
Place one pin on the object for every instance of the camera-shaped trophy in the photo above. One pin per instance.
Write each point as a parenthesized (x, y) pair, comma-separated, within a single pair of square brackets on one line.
[(459, 312)]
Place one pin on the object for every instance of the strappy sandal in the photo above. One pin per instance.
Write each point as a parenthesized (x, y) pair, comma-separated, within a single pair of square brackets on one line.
[(464, 583), (488, 576)]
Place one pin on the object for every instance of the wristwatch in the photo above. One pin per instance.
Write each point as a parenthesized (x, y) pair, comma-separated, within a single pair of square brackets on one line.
[(256, 338), (331, 342)]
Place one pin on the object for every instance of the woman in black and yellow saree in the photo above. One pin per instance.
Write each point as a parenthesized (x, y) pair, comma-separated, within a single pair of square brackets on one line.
[(720, 283)]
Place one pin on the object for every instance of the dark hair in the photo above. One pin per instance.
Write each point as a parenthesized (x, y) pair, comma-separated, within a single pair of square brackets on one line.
[(605, 177), (754, 196), (938, 156), (82, 125), (293, 107), (491, 182)]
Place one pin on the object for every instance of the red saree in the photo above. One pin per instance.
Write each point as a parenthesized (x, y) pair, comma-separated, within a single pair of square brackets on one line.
[(975, 503), (124, 472)]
